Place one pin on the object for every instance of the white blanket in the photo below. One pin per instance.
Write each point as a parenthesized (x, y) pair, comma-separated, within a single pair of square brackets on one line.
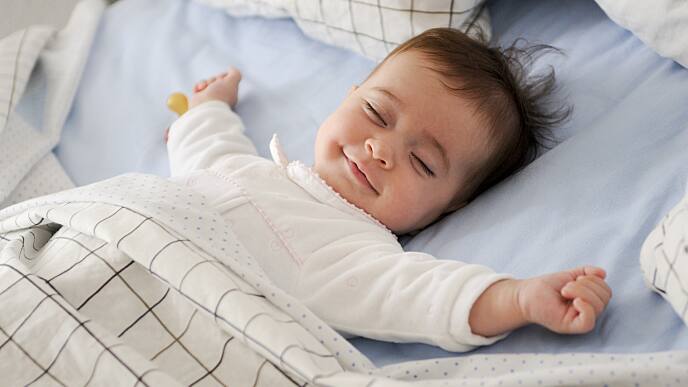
[(661, 24), (134, 279), (56, 59)]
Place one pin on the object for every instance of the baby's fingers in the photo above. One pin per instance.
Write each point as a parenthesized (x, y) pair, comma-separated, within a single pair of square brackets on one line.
[(579, 289), (200, 86), (598, 285), (585, 320)]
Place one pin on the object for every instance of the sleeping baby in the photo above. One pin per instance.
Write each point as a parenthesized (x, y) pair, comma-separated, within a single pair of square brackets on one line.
[(440, 120)]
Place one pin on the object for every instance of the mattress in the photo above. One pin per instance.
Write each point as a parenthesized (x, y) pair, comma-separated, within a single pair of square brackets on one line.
[(618, 167)]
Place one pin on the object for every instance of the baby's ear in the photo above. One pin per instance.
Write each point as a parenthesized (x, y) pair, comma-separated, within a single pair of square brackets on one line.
[(352, 89)]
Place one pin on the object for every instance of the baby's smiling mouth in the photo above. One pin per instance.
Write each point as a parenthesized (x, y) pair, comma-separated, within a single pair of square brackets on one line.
[(359, 174)]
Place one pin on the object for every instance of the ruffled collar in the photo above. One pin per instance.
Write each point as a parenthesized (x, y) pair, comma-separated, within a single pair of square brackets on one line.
[(310, 181)]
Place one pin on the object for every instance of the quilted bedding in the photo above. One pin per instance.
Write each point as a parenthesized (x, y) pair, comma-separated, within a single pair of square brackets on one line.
[(135, 280)]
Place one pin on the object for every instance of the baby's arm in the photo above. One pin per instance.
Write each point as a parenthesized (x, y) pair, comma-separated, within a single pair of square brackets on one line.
[(564, 302), (210, 131), (368, 286)]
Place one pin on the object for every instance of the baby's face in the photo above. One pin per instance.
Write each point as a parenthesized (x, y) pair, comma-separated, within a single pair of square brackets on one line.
[(401, 146)]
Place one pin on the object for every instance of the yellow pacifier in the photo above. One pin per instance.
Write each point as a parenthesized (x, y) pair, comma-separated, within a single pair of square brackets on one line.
[(178, 103)]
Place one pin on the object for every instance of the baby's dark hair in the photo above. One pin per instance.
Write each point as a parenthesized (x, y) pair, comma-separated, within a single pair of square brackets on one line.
[(517, 108)]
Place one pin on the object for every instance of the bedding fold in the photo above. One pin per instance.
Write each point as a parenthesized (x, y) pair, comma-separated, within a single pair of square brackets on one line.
[(135, 279), (49, 63)]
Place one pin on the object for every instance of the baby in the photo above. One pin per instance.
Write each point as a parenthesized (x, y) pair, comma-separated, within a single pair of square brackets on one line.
[(440, 120)]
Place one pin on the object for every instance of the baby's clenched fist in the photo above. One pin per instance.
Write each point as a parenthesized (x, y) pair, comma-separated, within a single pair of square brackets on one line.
[(565, 302)]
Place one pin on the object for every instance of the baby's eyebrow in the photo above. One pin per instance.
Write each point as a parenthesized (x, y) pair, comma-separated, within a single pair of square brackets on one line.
[(388, 94)]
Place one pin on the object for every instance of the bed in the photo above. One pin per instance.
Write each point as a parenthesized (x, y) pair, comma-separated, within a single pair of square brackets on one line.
[(618, 167)]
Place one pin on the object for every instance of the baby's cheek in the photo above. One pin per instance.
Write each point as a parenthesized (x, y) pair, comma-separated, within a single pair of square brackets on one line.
[(400, 215)]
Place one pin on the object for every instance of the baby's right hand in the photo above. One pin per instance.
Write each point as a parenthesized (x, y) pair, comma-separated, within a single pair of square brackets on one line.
[(223, 87), (565, 302)]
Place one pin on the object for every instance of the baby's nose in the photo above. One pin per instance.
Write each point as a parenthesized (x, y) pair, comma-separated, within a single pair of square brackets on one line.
[(380, 152)]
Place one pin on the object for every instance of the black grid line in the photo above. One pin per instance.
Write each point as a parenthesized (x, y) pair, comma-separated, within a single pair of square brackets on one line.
[(181, 282), (150, 264), (348, 31), (222, 267), (671, 266), (382, 25), (353, 28), (247, 337), (113, 276), (104, 219), (69, 222), (288, 347), (210, 372), (33, 243), (290, 321), (322, 16), (27, 318), (149, 310), (132, 231), (28, 214), (670, 271), (412, 9), (196, 303), (28, 355), (100, 355), (90, 252), (47, 213), (451, 13), (177, 338), (51, 286), (64, 344), (162, 324), (327, 375), (257, 377), (116, 274), (70, 314), (9, 287), (143, 375)]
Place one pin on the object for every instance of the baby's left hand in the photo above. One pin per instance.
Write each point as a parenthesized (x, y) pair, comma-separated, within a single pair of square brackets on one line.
[(222, 87), (565, 302)]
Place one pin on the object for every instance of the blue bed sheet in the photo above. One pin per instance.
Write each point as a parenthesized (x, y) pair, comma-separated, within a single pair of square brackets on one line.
[(591, 199)]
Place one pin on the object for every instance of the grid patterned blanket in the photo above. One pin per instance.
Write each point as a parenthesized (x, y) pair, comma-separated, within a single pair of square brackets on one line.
[(134, 280), (372, 28)]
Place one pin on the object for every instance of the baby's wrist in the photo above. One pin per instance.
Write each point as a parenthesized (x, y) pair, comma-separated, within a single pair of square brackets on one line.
[(497, 310), (518, 315)]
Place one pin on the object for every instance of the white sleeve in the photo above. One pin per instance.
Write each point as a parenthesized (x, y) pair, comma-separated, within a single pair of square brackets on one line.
[(381, 292), (203, 136)]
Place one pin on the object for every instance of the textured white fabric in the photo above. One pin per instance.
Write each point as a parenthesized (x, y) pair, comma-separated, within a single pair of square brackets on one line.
[(25, 151), (664, 258), (661, 24), (144, 283), (339, 261), (125, 291), (372, 28)]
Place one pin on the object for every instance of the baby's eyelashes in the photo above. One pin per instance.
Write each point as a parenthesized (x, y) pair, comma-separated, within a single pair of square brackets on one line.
[(377, 117)]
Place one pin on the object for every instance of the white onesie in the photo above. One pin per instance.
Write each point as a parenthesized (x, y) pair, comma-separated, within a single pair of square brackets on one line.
[(344, 265)]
